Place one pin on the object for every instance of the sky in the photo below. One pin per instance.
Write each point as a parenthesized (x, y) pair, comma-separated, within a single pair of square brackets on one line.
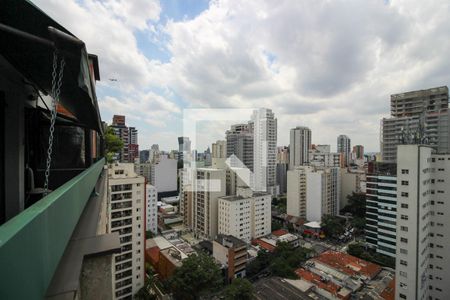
[(328, 65)]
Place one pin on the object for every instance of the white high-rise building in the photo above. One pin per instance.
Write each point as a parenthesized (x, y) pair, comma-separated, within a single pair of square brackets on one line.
[(299, 146), (313, 192), (246, 215), (126, 195), (152, 209), (163, 174), (264, 151), (423, 224), (343, 147)]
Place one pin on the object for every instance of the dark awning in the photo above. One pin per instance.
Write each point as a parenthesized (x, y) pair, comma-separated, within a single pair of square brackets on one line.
[(28, 40)]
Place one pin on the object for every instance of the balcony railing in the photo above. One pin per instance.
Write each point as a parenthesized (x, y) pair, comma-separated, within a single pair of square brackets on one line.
[(33, 242)]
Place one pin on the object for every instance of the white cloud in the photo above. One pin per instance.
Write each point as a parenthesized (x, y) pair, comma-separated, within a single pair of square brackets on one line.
[(329, 65)]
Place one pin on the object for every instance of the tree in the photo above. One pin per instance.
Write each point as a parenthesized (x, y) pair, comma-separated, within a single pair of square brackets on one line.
[(332, 226), (356, 249), (146, 292), (240, 288), (358, 223), (113, 144), (198, 275), (149, 234), (356, 205)]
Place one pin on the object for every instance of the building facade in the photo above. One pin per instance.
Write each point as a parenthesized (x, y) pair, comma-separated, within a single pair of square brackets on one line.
[(425, 109), (265, 151), (151, 215), (184, 148), (231, 252), (300, 143), (246, 215), (126, 206), (320, 156), (313, 192), (282, 169), (343, 148), (163, 174), (381, 208), (208, 185), (239, 142), (423, 246)]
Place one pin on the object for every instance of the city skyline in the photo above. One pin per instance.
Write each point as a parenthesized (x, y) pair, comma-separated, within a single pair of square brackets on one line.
[(146, 59)]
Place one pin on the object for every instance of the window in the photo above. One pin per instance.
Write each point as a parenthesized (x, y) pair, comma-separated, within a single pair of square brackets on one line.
[(405, 171), (403, 274), (403, 285), (405, 182), (404, 240), (404, 194), (404, 217), (402, 296), (404, 228), (403, 251), (404, 205), (403, 262)]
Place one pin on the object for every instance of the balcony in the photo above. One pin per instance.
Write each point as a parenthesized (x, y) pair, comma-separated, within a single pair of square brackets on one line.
[(44, 246)]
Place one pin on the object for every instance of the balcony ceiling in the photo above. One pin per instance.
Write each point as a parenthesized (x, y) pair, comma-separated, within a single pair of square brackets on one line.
[(29, 48)]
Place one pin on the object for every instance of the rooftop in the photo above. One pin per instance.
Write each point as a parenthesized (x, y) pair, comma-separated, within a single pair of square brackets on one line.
[(229, 240), (348, 264), (318, 281), (280, 232), (264, 245)]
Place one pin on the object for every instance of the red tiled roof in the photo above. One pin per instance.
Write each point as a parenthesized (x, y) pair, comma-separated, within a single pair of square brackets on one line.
[(348, 264), (280, 232), (316, 280), (389, 292), (264, 245)]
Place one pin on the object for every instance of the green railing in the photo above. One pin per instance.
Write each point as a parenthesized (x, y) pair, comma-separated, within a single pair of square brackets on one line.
[(33, 242)]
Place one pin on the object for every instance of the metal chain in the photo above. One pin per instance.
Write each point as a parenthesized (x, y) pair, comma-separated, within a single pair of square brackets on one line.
[(56, 90)]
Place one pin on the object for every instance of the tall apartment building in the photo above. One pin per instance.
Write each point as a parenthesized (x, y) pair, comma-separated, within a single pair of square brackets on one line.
[(246, 215), (423, 226), (129, 136), (300, 143), (219, 149), (381, 208), (283, 155), (151, 215), (409, 111), (184, 148), (154, 153), (282, 169), (358, 152), (239, 142), (207, 186), (121, 131), (126, 208), (343, 147), (313, 192), (320, 156), (133, 146), (265, 151)]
